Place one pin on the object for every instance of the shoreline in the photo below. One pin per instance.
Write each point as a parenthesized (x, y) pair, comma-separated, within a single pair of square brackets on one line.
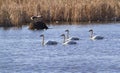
[(63, 23)]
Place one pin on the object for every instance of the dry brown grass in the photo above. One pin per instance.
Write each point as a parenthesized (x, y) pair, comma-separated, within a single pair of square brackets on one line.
[(18, 12)]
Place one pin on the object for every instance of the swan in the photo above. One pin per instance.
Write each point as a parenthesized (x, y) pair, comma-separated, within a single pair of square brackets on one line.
[(70, 42), (71, 38), (96, 37), (48, 42)]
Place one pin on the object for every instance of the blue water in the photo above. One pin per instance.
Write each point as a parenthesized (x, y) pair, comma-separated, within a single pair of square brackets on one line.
[(21, 50)]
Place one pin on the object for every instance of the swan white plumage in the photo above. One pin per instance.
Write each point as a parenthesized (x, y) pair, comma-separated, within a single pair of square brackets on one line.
[(48, 42), (96, 37), (70, 42), (71, 38)]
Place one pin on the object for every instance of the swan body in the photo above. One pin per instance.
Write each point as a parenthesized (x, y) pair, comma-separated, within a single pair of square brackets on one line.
[(71, 38), (74, 38), (96, 37), (48, 42), (51, 43), (70, 42)]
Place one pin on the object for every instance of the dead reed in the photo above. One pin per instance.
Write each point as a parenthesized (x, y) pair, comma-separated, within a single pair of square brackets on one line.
[(18, 12)]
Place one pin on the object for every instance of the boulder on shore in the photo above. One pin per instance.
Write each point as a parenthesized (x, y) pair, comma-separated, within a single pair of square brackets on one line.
[(38, 25)]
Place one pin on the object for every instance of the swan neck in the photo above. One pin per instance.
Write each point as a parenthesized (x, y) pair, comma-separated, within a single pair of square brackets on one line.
[(63, 39), (43, 39), (91, 34), (67, 35)]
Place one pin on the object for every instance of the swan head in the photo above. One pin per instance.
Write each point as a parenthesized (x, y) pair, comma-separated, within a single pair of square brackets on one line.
[(62, 35), (67, 30), (91, 30), (41, 35)]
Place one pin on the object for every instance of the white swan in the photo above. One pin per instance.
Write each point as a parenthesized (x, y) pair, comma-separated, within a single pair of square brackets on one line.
[(48, 42), (96, 37), (70, 42), (71, 38)]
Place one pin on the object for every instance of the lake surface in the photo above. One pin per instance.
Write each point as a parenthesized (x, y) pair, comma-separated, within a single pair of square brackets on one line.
[(21, 50)]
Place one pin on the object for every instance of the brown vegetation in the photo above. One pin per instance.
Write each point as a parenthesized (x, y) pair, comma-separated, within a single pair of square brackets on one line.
[(18, 12)]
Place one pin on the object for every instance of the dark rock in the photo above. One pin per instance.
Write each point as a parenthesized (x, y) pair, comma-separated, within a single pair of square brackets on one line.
[(39, 25)]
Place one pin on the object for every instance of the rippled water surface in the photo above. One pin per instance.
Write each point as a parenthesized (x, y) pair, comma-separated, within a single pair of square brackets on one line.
[(21, 50)]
